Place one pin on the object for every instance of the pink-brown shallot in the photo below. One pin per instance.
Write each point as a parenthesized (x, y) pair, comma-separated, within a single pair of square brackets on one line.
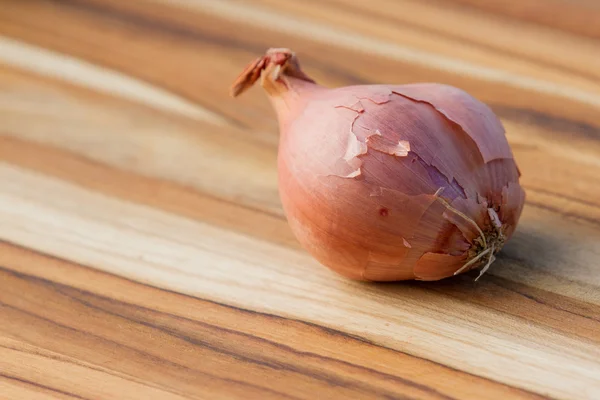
[(389, 182)]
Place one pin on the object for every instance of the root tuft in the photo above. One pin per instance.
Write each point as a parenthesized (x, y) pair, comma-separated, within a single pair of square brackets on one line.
[(488, 244)]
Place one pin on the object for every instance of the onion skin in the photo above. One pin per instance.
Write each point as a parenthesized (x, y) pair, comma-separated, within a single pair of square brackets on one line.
[(390, 182)]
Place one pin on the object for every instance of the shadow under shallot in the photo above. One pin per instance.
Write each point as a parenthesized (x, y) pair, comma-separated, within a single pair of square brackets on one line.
[(531, 279)]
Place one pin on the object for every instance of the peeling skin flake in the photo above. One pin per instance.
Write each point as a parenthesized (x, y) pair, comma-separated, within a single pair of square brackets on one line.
[(354, 148), (353, 174), (494, 218), (357, 145), (378, 143), (350, 160), (381, 96), (352, 103)]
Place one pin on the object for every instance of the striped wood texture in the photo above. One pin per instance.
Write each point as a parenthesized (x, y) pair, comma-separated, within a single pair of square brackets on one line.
[(143, 249)]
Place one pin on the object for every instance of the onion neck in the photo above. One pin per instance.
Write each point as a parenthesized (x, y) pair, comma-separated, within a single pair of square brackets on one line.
[(280, 75), (288, 101)]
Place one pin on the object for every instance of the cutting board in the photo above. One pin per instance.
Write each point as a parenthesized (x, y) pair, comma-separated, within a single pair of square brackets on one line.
[(144, 252)]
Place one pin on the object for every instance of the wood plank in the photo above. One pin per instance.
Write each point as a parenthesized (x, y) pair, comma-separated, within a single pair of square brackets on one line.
[(144, 251), (578, 16), (195, 28), (448, 30), (170, 344), (195, 258), (180, 200)]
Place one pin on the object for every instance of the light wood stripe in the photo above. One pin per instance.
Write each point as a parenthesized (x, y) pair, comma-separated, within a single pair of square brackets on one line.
[(189, 330), (261, 17), (143, 242), (198, 259), (79, 72)]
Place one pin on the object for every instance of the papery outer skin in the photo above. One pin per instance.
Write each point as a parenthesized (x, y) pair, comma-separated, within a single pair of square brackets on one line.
[(474, 117), (358, 225)]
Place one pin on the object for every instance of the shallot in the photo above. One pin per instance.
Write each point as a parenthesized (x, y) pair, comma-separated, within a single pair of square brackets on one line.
[(389, 182)]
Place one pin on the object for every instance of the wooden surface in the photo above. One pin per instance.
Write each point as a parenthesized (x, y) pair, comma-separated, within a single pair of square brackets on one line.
[(144, 253)]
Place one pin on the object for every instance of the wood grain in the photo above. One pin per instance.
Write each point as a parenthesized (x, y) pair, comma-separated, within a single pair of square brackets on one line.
[(143, 249)]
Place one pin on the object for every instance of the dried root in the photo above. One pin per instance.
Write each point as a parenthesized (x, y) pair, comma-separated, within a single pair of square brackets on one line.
[(495, 241), (472, 261), (461, 214), (491, 259), (488, 243)]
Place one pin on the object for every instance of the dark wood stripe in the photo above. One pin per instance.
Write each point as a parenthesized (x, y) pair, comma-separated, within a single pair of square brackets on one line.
[(547, 121), (145, 355), (76, 294), (271, 317), (581, 20), (195, 33), (141, 22), (40, 386), (562, 126), (566, 214), (71, 360), (85, 166), (563, 196), (473, 43)]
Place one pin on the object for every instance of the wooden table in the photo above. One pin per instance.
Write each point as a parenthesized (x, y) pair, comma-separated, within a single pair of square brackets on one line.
[(144, 253)]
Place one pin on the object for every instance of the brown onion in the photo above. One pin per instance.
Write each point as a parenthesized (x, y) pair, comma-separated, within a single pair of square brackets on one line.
[(390, 182)]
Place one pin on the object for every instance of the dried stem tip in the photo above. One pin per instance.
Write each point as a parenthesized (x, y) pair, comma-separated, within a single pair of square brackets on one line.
[(275, 63)]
